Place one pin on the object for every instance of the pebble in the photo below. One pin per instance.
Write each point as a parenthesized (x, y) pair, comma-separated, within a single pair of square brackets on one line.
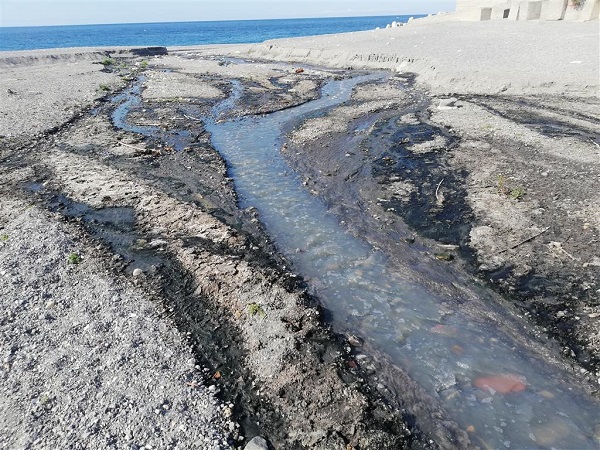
[(257, 443), (138, 272), (354, 341), (503, 383)]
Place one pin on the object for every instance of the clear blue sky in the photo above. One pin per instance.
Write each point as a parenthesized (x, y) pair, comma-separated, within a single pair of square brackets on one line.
[(68, 12)]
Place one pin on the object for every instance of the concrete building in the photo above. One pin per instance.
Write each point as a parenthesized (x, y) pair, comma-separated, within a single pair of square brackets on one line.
[(573, 10)]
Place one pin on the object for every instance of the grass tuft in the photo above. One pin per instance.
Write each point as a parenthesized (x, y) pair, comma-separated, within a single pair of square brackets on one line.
[(255, 308), (74, 258), (107, 62)]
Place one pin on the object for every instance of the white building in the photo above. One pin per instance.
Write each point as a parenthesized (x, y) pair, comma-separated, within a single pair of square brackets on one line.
[(574, 10)]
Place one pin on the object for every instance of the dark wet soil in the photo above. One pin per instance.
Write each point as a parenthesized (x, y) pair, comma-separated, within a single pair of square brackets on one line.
[(353, 172), (353, 175), (197, 175)]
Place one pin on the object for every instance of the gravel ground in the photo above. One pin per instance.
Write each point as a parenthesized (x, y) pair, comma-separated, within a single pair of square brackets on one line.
[(87, 346), (491, 57), (37, 97), (88, 361), (167, 223)]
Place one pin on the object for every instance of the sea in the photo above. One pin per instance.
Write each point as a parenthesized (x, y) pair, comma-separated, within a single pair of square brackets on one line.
[(174, 34)]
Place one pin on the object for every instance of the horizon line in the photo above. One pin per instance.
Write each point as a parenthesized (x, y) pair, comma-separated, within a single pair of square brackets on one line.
[(211, 20)]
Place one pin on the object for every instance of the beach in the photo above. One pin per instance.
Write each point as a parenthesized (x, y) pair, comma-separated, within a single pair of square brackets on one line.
[(141, 296)]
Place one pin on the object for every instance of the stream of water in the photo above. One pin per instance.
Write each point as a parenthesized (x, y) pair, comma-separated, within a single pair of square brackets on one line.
[(486, 382), (493, 387)]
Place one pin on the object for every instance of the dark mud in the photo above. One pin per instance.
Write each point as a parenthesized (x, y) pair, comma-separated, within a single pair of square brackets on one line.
[(430, 190), (359, 417), (358, 173)]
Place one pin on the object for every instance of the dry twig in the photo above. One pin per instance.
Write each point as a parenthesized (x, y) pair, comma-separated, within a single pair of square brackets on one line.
[(524, 241), (439, 197), (192, 118)]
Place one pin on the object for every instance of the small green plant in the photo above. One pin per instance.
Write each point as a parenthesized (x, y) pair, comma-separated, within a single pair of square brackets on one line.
[(74, 258), (517, 193), (107, 62), (104, 87), (4, 238), (144, 64), (501, 184), (577, 4), (444, 256), (255, 308)]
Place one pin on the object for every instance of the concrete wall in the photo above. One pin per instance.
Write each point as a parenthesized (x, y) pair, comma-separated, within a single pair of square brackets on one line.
[(527, 10)]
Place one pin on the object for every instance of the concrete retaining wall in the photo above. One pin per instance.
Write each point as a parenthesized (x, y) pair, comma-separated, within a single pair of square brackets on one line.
[(528, 10)]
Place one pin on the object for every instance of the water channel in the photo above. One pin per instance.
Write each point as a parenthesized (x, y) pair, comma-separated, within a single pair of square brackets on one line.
[(504, 395)]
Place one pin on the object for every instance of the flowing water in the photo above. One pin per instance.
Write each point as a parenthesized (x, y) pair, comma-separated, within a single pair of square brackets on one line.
[(130, 99), (504, 395)]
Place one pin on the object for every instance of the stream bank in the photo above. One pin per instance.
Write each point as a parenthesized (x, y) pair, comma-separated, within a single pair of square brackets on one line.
[(503, 188), (167, 222), (227, 264)]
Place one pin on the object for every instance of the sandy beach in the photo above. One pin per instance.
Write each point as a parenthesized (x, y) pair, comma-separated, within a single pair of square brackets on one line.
[(144, 308)]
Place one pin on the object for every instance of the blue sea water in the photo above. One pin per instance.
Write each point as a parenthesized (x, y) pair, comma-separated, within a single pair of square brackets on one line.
[(182, 33)]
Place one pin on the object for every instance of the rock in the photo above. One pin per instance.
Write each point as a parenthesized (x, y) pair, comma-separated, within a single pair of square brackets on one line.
[(546, 394), (138, 272), (355, 341), (504, 383), (595, 262), (257, 443), (548, 434)]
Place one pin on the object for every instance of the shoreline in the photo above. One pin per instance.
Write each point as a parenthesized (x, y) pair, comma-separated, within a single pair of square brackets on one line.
[(494, 136)]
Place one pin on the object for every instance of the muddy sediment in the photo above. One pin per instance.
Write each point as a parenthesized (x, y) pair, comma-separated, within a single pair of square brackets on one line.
[(483, 183), (170, 220), (474, 180)]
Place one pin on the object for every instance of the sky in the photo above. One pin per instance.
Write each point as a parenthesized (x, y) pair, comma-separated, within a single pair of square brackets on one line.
[(70, 12)]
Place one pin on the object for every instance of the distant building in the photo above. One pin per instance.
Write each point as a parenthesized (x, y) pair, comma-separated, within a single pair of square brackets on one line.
[(572, 10)]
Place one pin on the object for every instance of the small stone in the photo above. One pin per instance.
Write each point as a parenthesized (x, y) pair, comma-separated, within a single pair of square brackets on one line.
[(444, 256), (354, 341), (447, 103), (138, 272), (470, 429), (504, 383), (257, 443)]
